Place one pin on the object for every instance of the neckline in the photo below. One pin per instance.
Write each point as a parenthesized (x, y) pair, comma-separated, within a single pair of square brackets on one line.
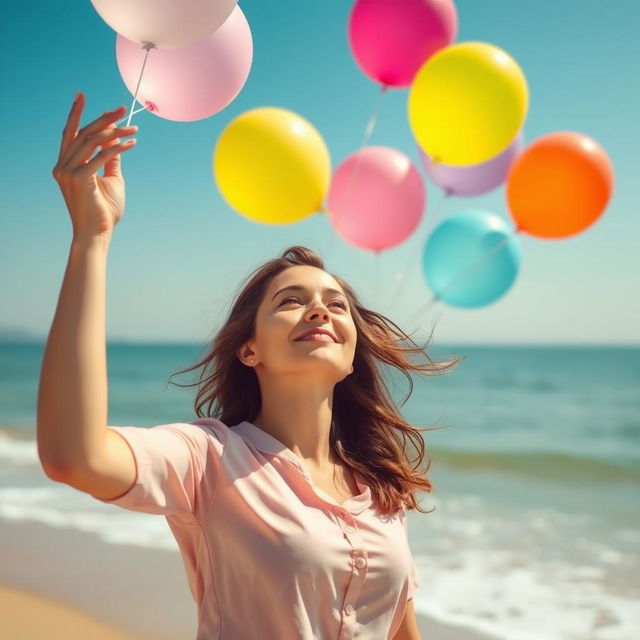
[(269, 444)]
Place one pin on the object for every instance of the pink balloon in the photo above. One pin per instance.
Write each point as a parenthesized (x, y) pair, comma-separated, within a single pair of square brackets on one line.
[(376, 198), (391, 39), (191, 82)]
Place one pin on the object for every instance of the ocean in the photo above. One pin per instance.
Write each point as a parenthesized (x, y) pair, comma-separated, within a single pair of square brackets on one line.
[(536, 474)]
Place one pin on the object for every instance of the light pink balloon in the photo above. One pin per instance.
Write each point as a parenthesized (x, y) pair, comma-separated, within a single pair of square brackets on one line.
[(376, 198), (191, 82), (391, 39)]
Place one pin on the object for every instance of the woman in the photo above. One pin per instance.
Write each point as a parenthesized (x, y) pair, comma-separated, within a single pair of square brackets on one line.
[(287, 496)]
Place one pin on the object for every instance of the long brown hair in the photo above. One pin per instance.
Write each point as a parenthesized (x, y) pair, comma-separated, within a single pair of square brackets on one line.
[(368, 434)]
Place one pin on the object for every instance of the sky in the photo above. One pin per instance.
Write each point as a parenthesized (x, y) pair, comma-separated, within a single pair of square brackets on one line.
[(180, 252)]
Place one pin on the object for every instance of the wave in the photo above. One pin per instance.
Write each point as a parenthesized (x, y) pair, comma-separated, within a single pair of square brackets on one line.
[(541, 465), (17, 449)]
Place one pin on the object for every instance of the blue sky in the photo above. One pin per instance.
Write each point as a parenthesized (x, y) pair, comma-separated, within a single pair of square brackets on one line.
[(180, 252)]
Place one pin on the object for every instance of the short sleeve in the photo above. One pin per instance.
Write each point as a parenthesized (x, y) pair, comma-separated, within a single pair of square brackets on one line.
[(177, 467), (414, 578)]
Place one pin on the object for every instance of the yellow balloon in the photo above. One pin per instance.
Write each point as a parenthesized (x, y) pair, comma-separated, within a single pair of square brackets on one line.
[(272, 166), (467, 103)]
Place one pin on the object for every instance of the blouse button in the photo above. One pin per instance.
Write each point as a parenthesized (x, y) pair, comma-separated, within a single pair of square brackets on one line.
[(360, 562), (349, 529), (349, 609)]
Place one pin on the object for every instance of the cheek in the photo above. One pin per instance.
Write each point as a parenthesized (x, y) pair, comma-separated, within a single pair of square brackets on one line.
[(352, 352), (275, 332)]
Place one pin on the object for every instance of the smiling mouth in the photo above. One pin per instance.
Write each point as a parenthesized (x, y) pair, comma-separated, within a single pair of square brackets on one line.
[(316, 337)]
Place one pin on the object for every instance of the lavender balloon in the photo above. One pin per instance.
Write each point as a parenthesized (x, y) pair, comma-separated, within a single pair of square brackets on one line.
[(473, 179)]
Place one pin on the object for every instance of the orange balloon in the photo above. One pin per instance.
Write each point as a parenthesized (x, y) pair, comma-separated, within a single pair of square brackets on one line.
[(559, 185)]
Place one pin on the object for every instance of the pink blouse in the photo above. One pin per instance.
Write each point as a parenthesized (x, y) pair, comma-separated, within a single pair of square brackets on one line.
[(267, 554)]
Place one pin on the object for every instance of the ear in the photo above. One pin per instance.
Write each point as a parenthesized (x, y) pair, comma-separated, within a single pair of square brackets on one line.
[(246, 355)]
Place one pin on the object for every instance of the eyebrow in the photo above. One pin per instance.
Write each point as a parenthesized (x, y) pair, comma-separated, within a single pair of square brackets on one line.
[(299, 287)]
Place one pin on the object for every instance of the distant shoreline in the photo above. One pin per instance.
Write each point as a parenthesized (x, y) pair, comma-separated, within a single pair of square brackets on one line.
[(41, 341)]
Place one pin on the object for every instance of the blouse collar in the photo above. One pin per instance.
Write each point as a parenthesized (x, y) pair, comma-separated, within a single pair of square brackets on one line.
[(267, 443)]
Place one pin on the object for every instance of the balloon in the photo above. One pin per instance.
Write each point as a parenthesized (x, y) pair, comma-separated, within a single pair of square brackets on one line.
[(467, 103), (166, 23), (272, 166), (458, 262), (376, 198), (473, 179), (559, 185), (390, 39), (192, 82)]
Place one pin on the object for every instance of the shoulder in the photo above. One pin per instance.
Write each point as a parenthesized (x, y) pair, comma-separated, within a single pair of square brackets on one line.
[(207, 427), (200, 434)]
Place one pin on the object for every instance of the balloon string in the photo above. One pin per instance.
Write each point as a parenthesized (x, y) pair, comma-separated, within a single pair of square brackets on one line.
[(354, 258), (356, 165), (472, 267), (377, 257), (134, 113), (374, 116), (404, 274), (147, 46), (367, 135)]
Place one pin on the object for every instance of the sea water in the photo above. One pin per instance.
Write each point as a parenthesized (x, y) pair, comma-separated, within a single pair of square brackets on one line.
[(536, 478)]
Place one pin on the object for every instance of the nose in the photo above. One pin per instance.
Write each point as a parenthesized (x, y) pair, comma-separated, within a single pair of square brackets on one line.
[(317, 309)]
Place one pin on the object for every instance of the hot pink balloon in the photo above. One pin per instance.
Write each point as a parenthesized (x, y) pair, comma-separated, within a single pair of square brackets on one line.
[(376, 198), (191, 82), (391, 39), (474, 179)]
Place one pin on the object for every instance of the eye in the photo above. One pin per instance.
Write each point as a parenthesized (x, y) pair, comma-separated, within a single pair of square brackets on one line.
[(287, 300), (338, 302)]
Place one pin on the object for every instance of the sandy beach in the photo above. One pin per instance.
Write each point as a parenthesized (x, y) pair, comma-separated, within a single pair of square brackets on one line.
[(24, 615), (58, 583)]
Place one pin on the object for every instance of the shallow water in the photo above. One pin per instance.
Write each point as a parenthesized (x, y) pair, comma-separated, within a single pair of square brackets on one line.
[(536, 477)]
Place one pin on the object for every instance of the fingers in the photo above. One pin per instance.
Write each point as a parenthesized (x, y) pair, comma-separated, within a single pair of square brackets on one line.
[(112, 166), (107, 118), (71, 126), (71, 136), (77, 146), (104, 156), (82, 151)]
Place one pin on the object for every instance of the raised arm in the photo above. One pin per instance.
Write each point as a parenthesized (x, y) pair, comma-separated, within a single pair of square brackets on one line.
[(72, 394)]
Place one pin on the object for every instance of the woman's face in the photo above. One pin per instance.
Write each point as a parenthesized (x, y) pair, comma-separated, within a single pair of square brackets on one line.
[(298, 299)]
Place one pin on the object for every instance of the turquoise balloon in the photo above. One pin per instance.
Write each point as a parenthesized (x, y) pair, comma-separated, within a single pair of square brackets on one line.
[(456, 261)]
